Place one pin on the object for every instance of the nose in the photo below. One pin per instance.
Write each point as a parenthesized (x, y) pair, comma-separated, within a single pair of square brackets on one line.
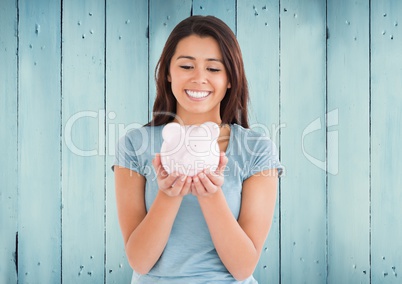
[(199, 76)]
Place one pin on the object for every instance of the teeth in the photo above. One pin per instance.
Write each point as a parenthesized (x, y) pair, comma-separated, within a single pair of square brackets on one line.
[(197, 95)]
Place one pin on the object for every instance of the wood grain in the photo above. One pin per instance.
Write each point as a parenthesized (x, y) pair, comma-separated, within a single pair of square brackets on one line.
[(126, 108), (325, 83), (9, 143), (39, 198), (83, 159), (386, 137), (163, 17), (348, 142), (302, 98), (258, 35)]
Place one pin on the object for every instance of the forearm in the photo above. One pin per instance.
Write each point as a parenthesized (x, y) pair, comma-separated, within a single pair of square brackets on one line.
[(147, 242), (236, 250)]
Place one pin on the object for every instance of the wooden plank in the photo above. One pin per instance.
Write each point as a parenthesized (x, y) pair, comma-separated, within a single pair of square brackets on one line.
[(224, 10), (303, 188), (126, 105), (39, 242), (83, 152), (163, 17), (386, 137), (8, 138), (258, 22), (348, 142)]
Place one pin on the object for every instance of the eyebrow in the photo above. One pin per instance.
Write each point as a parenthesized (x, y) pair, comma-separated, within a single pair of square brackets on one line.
[(193, 58)]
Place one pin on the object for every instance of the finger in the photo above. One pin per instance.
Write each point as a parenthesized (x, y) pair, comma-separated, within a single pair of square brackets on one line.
[(186, 187), (166, 182), (192, 188), (156, 162), (199, 188), (223, 160), (172, 179), (215, 178), (178, 185), (171, 189), (207, 183)]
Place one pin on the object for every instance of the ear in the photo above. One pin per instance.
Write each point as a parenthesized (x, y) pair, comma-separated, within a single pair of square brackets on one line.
[(169, 78), (229, 85), (213, 129), (172, 131)]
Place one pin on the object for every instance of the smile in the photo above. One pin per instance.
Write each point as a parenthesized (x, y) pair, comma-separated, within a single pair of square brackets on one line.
[(197, 94)]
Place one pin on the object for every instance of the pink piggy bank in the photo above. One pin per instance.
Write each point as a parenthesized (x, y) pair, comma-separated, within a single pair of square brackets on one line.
[(188, 150)]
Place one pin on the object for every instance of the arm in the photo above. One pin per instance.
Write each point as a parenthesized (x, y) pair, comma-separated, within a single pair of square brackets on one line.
[(239, 242), (145, 234)]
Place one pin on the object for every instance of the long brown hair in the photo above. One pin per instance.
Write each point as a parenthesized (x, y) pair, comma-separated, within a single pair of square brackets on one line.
[(233, 108)]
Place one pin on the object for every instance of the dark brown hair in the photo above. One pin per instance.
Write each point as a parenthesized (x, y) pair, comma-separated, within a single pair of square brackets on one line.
[(233, 108)]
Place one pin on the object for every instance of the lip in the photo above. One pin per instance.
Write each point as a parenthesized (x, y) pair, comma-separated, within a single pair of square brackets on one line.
[(197, 95)]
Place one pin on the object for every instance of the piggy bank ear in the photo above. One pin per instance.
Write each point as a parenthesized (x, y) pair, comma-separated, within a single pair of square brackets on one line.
[(213, 129), (172, 131)]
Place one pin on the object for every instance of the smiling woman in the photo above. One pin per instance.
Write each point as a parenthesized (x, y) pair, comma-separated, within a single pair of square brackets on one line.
[(214, 49), (199, 80), (209, 227)]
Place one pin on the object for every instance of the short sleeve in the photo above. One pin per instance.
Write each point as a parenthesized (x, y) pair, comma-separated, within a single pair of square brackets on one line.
[(125, 155), (263, 155)]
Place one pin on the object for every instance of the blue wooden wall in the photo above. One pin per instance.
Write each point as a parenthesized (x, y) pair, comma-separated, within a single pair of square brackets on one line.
[(326, 83)]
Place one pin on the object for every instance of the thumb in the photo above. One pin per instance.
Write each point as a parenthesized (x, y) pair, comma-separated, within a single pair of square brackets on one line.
[(223, 160)]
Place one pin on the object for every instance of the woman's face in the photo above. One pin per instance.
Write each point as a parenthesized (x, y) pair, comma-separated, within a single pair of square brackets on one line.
[(198, 79)]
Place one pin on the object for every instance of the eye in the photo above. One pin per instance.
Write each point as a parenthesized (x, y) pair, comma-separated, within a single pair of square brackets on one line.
[(213, 70), (186, 67)]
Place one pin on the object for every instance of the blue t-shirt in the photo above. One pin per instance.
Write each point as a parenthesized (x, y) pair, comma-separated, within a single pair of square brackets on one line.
[(190, 255)]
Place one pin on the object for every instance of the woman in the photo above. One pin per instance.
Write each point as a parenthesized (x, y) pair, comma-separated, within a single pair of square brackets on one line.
[(209, 228)]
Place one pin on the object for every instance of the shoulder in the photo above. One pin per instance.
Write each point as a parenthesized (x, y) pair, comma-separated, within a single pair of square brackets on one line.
[(240, 130), (253, 142), (133, 133), (255, 149), (136, 148), (141, 135), (140, 141)]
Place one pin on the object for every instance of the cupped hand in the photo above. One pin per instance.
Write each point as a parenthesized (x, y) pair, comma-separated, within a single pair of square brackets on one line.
[(208, 182), (172, 184)]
